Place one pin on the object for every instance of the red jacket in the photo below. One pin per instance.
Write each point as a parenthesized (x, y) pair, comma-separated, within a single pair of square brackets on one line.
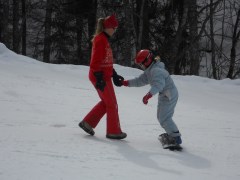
[(101, 57)]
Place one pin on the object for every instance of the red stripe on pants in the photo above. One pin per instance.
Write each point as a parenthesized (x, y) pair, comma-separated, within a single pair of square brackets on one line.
[(108, 105)]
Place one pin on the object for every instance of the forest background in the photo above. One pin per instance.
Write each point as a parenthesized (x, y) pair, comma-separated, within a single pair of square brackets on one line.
[(192, 37)]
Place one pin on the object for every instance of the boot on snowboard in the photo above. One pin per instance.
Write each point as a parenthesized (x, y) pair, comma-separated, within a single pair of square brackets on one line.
[(169, 142)]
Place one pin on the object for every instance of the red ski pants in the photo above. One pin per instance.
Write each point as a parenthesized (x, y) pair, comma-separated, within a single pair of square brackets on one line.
[(107, 105)]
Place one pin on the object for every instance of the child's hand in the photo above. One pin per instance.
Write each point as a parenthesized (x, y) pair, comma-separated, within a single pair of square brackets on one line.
[(125, 83), (146, 98)]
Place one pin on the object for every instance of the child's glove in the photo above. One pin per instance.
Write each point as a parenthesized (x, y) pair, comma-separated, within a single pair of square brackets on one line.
[(125, 83), (146, 98), (100, 84), (117, 79)]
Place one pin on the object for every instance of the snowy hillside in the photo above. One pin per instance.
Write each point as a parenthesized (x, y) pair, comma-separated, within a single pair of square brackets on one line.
[(42, 104)]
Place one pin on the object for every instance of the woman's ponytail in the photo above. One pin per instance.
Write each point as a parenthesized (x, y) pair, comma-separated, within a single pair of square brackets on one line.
[(99, 27)]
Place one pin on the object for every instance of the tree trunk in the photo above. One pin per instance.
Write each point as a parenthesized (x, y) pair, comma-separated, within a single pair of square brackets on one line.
[(213, 60), (223, 24), (235, 39), (193, 31), (141, 25), (92, 20), (145, 43), (24, 27), (91, 28), (4, 23), (16, 39), (47, 33)]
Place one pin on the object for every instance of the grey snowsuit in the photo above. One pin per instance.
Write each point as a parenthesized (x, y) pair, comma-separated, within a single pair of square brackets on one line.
[(161, 83)]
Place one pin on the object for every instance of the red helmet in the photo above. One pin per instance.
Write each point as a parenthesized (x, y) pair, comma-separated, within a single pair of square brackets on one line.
[(144, 57)]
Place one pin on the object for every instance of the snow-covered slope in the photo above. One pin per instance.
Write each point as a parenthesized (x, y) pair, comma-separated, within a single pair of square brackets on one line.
[(42, 104)]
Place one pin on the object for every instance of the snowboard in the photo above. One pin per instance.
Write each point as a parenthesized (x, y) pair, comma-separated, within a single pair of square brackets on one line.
[(174, 148)]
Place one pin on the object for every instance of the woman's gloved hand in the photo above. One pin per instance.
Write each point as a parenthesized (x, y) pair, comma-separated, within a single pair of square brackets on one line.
[(117, 79), (100, 84)]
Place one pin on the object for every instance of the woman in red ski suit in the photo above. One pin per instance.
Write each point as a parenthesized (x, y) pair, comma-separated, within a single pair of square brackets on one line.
[(100, 74)]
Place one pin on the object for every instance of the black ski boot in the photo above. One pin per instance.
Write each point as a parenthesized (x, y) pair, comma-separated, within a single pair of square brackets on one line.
[(122, 135), (86, 127)]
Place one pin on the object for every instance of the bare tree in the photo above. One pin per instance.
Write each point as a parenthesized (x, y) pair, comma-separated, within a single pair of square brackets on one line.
[(212, 41), (142, 9), (91, 19), (196, 31), (4, 22), (128, 39), (47, 33), (178, 41), (176, 12), (193, 32), (235, 39), (16, 37), (24, 27)]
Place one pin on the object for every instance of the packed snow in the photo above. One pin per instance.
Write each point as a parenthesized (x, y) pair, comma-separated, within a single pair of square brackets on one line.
[(42, 104)]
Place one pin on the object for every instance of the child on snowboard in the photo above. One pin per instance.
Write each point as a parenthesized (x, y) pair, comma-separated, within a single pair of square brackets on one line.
[(162, 84)]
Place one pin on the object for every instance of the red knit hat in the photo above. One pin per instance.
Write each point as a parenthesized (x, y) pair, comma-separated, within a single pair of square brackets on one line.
[(110, 22)]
